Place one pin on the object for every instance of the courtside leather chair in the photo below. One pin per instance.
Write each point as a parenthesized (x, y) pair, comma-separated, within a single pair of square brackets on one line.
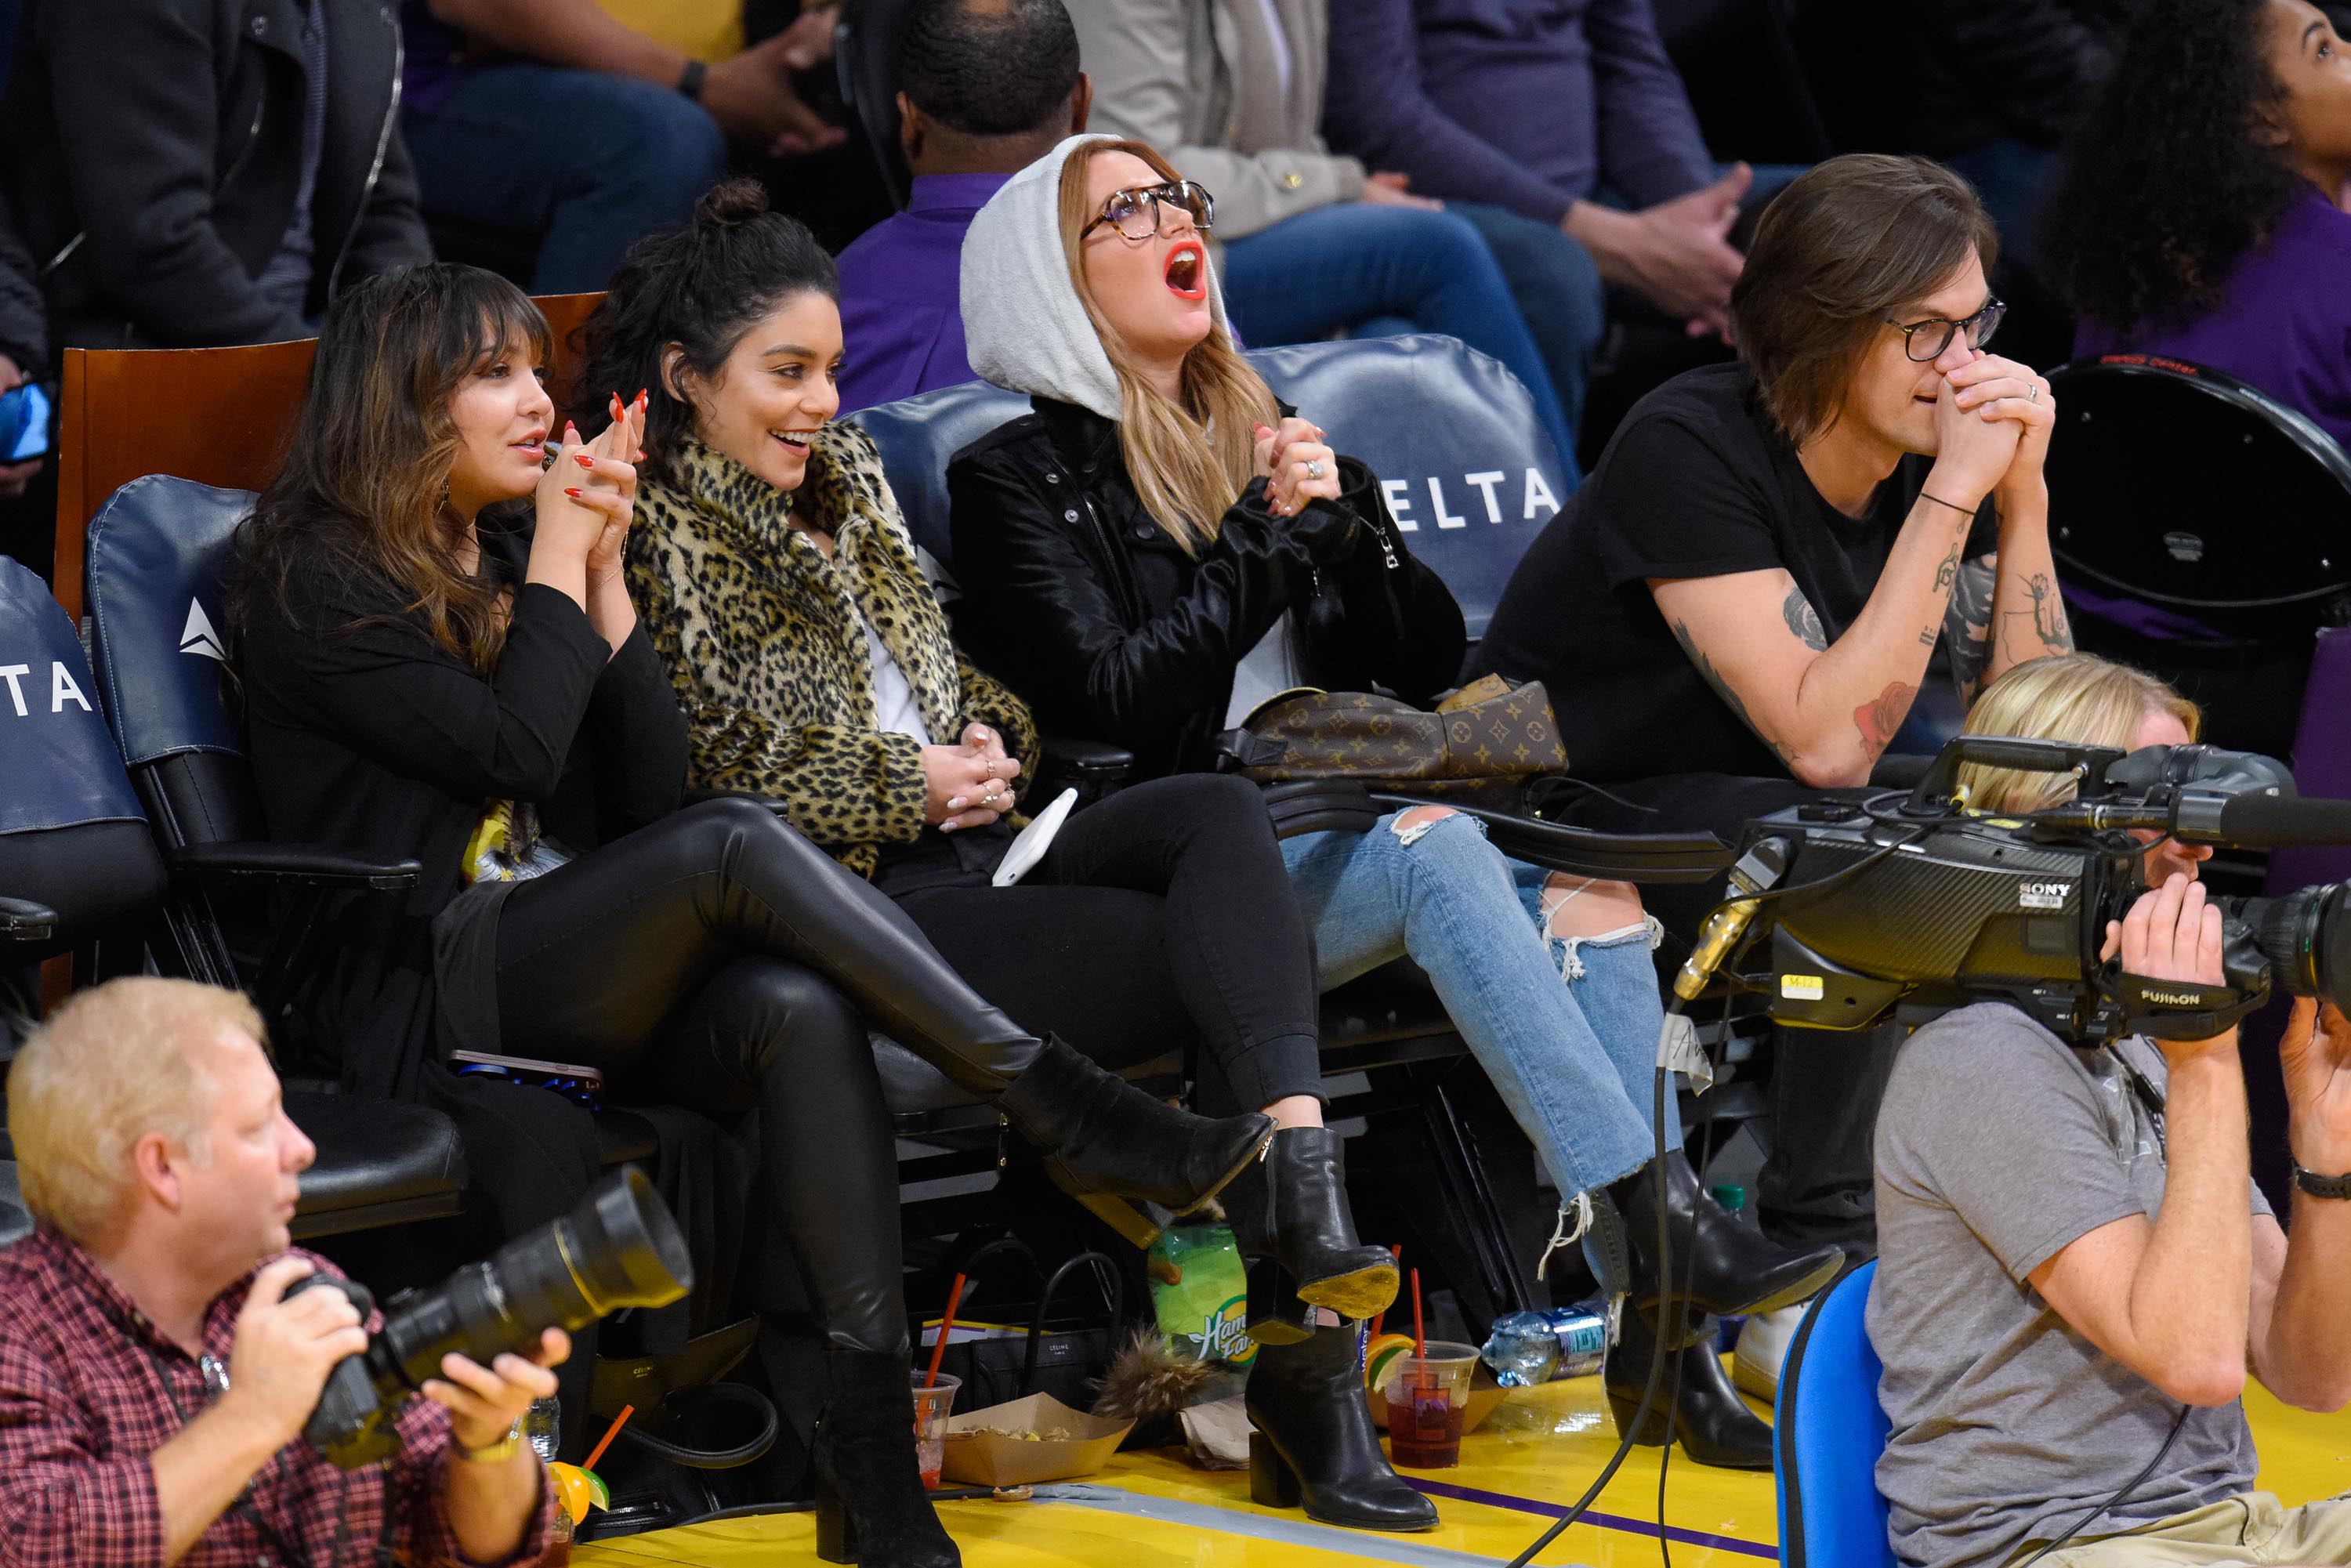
[(1469, 473), (1827, 1433), (2186, 503), (154, 561)]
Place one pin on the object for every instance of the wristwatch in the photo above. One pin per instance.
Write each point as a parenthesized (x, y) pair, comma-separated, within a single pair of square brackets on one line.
[(495, 1453), (2319, 1185), (689, 81)]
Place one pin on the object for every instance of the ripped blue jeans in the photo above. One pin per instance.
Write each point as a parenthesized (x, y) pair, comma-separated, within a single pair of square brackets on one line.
[(1566, 1029)]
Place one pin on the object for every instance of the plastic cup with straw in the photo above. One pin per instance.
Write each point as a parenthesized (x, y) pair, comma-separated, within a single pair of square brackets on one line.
[(934, 1396), (1428, 1401)]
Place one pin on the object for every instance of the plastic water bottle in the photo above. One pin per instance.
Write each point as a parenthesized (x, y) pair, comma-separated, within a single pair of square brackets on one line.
[(1581, 1333), (542, 1426), (1523, 1350)]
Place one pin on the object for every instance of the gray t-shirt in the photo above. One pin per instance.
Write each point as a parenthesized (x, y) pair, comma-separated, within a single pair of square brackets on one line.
[(1997, 1145)]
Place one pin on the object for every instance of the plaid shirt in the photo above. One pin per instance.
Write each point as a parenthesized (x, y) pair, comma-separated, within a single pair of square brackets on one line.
[(89, 1388)]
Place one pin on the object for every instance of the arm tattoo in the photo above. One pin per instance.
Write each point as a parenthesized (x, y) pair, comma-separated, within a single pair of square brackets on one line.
[(2049, 628), (1950, 569), (1722, 689), (1968, 620), (1804, 620), (1879, 719)]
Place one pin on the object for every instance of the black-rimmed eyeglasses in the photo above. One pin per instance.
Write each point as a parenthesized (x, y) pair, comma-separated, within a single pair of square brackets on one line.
[(1140, 212), (1925, 342)]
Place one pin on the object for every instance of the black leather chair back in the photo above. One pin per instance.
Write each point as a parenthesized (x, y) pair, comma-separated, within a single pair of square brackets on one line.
[(1469, 473), (865, 46), (157, 553), (2184, 503), (72, 835)]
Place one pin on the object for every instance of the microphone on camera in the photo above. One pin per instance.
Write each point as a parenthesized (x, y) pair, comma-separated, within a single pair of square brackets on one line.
[(2264, 821)]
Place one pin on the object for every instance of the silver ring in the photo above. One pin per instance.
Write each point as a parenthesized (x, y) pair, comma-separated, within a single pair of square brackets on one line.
[(987, 766), (1314, 469), (2032, 392)]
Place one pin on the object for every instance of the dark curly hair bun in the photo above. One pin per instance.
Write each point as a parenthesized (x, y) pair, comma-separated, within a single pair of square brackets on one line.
[(731, 202), (700, 287)]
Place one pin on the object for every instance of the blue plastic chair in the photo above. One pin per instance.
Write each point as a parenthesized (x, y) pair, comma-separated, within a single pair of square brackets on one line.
[(1468, 472), (1828, 1431)]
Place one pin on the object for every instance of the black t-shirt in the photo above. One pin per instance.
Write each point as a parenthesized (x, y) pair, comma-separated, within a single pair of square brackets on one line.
[(1697, 482)]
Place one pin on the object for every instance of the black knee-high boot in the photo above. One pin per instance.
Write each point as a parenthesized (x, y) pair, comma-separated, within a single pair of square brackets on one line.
[(1290, 1212), (1727, 1268), (1314, 1447), (871, 1508), (1714, 1425), (772, 890)]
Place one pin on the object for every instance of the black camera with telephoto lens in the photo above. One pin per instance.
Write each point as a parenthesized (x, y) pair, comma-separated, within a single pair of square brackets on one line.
[(619, 1248), (1841, 914)]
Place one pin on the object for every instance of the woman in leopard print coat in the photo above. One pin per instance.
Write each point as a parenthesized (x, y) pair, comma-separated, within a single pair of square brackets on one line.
[(815, 669)]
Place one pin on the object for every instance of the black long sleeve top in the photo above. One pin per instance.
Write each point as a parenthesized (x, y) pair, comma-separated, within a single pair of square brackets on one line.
[(367, 735)]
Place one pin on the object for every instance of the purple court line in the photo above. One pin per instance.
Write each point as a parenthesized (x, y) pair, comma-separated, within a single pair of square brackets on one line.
[(1594, 1516)]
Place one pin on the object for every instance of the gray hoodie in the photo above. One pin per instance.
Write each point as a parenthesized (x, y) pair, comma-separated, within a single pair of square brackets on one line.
[(1022, 320)]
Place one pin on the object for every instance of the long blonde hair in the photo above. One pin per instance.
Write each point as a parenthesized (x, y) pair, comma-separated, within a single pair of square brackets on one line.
[(1191, 460), (2076, 698)]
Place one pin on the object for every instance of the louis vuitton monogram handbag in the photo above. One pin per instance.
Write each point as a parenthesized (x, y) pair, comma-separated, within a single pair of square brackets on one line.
[(1483, 743)]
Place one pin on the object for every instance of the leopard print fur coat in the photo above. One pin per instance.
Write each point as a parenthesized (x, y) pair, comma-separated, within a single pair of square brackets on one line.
[(765, 645)]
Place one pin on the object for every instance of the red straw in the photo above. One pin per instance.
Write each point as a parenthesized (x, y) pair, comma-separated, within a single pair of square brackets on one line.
[(611, 1432), (1380, 1318), (931, 1378), (1419, 1334)]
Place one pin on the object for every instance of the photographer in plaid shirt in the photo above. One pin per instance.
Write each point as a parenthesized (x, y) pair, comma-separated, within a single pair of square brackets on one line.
[(153, 1382)]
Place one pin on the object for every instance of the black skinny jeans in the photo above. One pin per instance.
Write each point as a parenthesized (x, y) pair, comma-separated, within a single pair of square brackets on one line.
[(719, 961), (1172, 889)]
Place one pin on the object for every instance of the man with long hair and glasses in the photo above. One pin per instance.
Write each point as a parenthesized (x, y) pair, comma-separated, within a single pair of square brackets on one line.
[(1737, 610)]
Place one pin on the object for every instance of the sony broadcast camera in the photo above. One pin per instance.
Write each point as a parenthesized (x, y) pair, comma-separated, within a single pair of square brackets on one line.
[(619, 1248), (1840, 915)]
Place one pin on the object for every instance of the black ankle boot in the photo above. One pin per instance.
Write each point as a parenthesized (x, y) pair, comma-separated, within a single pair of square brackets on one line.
[(1103, 1138), (1290, 1210), (1314, 1446), (1714, 1425), (1728, 1267), (871, 1508)]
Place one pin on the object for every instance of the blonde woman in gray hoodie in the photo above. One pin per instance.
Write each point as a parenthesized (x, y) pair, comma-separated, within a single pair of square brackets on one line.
[(1159, 548)]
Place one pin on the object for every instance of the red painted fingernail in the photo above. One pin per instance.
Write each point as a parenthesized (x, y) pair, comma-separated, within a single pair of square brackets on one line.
[(573, 494), (583, 462), (640, 394)]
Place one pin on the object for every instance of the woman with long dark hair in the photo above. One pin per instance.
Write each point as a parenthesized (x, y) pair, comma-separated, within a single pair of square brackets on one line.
[(1159, 549), (441, 661), (2199, 214), (815, 668)]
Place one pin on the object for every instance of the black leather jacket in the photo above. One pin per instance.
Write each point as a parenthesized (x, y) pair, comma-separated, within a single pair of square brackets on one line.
[(1076, 598), (155, 156)]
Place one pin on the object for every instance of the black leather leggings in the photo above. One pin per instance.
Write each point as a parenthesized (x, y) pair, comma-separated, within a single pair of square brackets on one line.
[(720, 961)]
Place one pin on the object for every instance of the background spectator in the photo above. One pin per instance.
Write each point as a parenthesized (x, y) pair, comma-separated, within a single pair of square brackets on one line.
[(561, 118), (155, 231), (986, 88), (1538, 121), (1231, 93), (2197, 217)]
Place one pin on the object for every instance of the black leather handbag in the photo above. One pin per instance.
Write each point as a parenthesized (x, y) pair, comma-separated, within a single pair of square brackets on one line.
[(1064, 1357)]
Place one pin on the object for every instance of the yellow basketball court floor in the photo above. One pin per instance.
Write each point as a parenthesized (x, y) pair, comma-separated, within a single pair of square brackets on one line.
[(1518, 1472)]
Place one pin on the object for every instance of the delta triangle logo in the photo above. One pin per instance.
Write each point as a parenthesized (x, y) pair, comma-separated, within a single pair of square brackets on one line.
[(198, 636)]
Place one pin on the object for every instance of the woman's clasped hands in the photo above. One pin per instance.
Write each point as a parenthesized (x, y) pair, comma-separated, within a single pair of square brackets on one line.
[(587, 495), (971, 783), (1297, 466)]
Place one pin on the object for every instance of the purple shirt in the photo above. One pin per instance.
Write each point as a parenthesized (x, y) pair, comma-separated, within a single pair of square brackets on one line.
[(1524, 104), (901, 301), (429, 67), (2284, 325)]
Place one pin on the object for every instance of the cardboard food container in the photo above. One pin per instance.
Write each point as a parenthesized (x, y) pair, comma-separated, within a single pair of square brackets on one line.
[(1486, 1396), (980, 1453)]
